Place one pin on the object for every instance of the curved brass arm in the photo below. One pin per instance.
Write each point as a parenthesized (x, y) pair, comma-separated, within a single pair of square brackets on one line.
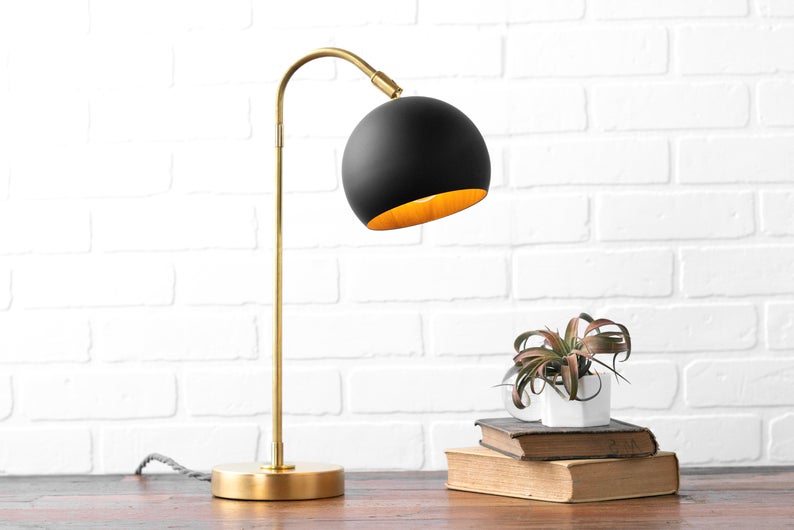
[(379, 79), (392, 90)]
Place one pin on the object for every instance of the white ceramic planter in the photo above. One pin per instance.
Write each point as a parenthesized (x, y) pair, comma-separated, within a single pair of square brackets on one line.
[(559, 412), (530, 413)]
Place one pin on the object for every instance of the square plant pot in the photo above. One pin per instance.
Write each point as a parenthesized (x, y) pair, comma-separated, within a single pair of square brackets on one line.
[(559, 412)]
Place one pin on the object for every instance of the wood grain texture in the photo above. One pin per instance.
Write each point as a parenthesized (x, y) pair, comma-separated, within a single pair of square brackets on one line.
[(728, 498)]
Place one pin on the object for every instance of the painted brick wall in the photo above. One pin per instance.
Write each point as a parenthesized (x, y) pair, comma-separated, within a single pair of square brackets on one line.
[(643, 170)]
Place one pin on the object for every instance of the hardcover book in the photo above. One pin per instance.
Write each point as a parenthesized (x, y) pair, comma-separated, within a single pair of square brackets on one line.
[(534, 441), (481, 470)]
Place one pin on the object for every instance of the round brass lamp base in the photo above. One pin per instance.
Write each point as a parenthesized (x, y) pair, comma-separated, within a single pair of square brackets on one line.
[(254, 482)]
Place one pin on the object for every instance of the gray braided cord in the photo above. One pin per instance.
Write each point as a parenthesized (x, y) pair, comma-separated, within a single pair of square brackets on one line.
[(174, 465)]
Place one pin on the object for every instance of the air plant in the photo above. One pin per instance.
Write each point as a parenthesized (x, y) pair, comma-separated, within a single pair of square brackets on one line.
[(561, 361)]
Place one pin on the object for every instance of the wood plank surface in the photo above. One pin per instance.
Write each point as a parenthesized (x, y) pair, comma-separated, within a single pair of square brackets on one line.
[(709, 498)]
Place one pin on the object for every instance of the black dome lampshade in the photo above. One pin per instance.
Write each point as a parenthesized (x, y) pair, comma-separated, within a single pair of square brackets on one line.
[(413, 160)]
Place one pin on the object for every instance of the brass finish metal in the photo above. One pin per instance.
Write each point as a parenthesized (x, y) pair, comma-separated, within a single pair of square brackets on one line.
[(386, 84), (277, 459), (277, 480), (308, 480)]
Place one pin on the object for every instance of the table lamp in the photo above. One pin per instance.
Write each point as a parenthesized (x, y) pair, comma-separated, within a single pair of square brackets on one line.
[(409, 161)]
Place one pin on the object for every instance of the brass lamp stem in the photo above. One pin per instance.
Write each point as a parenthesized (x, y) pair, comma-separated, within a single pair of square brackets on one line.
[(392, 90)]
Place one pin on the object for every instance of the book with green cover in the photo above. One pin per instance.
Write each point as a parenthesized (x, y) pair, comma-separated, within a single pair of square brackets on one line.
[(534, 441)]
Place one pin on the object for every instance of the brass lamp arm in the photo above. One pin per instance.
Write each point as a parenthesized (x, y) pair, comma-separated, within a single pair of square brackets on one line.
[(392, 90), (378, 78)]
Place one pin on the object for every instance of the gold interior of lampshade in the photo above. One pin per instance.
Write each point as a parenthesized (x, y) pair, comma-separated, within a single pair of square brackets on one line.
[(427, 209)]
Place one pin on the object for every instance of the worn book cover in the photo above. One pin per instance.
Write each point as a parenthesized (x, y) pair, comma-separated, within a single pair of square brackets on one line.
[(481, 470), (531, 440)]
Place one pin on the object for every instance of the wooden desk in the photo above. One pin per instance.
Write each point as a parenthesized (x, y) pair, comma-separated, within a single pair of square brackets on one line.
[(709, 498)]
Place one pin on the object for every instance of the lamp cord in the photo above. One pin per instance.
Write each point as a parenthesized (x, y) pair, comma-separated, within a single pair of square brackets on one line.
[(198, 475)]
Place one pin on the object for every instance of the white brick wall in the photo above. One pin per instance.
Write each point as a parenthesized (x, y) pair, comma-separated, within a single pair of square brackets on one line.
[(735, 159), (670, 105), (90, 171), (81, 394), (555, 162), (735, 49), (780, 325), (200, 444), (44, 336), (637, 216), (643, 170), (651, 9), (777, 213), (776, 103), (701, 438), (195, 335), (41, 450), (592, 273), (577, 52), (737, 271), (393, 438)]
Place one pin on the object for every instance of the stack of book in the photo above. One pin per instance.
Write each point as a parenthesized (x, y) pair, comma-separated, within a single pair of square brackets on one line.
[(562, 464)]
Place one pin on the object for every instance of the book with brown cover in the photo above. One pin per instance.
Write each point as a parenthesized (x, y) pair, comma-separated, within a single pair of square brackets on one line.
[(531, 440), (481, 470)]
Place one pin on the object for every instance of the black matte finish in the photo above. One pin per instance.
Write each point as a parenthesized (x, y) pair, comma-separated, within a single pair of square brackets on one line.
[(408, 149)]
